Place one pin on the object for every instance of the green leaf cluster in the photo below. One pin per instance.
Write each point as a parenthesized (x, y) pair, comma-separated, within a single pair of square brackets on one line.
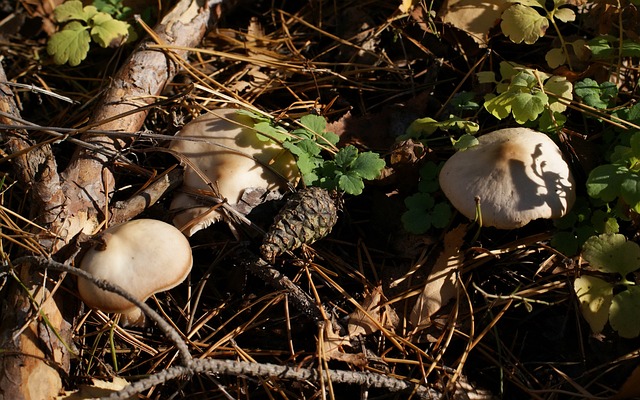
[(423, 212), (621, 178), (423, 127), (115, 8), (526, 94), (583, 221), (318, 160), (616, 298), (609, 47), (80, 26), (528, 20), (597, 95)]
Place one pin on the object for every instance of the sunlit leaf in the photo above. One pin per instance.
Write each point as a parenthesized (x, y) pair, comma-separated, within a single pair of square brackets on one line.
[(612, 253), (523, 24), (70, 44), (595, 296)]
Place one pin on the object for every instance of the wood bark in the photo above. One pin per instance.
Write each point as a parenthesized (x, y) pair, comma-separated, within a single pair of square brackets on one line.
[(75, 201)]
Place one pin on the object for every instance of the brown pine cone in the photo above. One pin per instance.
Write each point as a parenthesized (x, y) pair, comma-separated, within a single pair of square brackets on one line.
[(308, 215)]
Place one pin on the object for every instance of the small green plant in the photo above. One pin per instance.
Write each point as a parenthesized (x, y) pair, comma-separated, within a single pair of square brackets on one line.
[(81, 25), (424, 127), (617, 297), (115, 8), (621, 178), (528, 95), (609, 47), (345, 171), (423, 211), (583, 221), (597, 95), (528, 20)]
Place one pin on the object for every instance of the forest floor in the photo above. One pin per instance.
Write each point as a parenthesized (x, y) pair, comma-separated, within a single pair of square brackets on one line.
[(505, 322)]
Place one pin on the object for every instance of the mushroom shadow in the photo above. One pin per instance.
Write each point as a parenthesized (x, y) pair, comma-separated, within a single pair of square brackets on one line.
[(530, 194)]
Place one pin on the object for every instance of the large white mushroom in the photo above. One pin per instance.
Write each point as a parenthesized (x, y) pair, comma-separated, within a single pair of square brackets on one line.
[(515, 175), (143, 257), (223, 146)]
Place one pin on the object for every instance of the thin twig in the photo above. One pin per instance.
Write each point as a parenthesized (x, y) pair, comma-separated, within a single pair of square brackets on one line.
[(260, 268), (265, 370)]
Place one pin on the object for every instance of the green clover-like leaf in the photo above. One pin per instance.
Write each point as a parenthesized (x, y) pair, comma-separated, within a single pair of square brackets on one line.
[(527, 106), (564, 14), (555, 57), (441, 215), (562, 89), (107, 31), (70, 11), (612, 253), (624, 312), (70, 44), (416, 221), (595, 296), (351, 183), (368, 165), (596, 95), (346, 156), (604, 181), (522, 23), (630, 190)]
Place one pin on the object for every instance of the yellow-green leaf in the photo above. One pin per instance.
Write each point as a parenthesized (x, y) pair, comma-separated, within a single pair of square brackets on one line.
[(70, 44), (107, 31), (624, 311), (521, 23), (68, 11), (565, 14), (595, 296)]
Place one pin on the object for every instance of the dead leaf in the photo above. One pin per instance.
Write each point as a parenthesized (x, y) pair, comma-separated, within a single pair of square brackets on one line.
[(361, 323), (333, 347), (441, 285), (474, 17), (97, 389)]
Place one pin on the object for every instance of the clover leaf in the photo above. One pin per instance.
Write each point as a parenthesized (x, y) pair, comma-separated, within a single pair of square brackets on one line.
[(81, 25), (520, 94), (614, 255), (70, 45), (522, 23), (107, 31), (596, 95)]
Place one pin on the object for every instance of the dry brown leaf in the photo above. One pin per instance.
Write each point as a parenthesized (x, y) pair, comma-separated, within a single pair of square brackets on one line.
[(98, 389), (441, 285), (361, 323), (474, 17), (332, 348)]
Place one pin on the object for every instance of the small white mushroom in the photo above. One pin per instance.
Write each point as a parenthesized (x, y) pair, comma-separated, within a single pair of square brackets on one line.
[(516, 175), (143, 257), (232, 157)]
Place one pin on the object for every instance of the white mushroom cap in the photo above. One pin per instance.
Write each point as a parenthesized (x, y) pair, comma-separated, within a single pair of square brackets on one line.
[(143, 257), (227, 156), (518, 174)]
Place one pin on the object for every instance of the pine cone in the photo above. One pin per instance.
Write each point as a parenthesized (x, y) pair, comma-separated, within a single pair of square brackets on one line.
[(308, 215)]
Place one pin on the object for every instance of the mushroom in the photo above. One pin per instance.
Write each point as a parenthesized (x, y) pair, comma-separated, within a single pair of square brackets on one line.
[(143, 257), (226, 149), (513, 176)]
